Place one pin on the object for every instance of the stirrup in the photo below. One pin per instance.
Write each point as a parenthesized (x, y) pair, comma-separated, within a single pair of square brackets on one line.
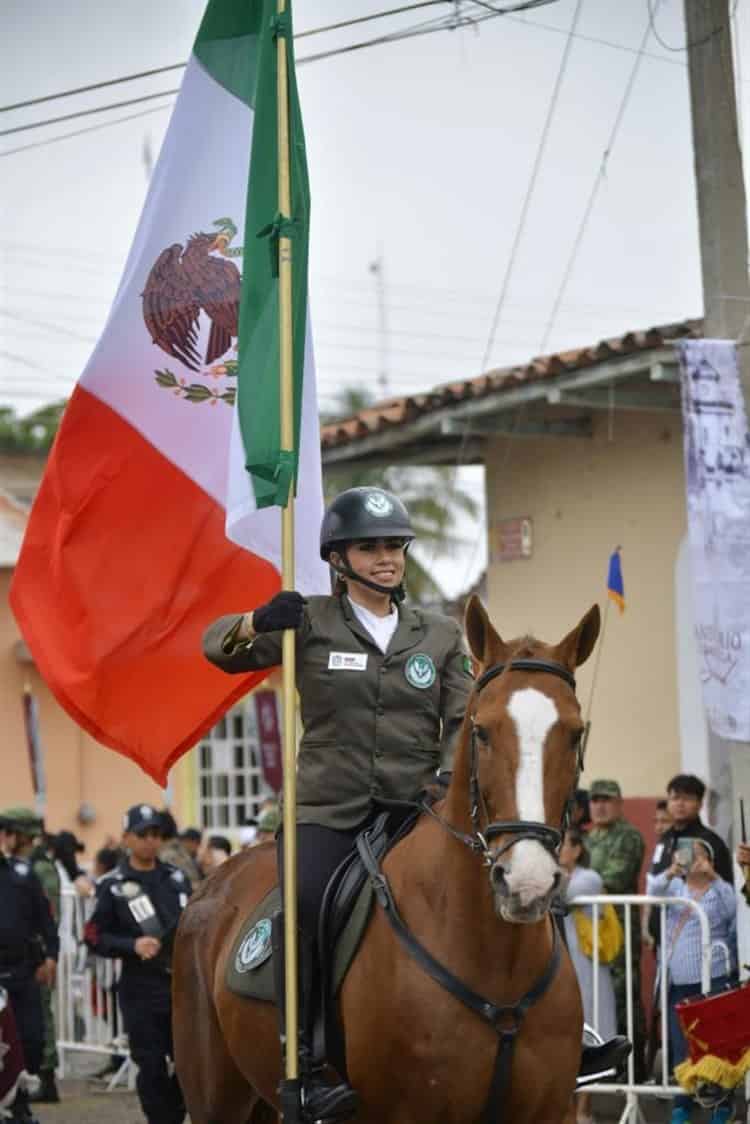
[(324, 1103)]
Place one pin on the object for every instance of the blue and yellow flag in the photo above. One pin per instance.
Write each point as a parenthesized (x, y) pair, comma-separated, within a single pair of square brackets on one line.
[(615, 587)]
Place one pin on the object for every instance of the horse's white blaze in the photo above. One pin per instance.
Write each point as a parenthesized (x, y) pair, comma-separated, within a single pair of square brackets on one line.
[(531, 869)]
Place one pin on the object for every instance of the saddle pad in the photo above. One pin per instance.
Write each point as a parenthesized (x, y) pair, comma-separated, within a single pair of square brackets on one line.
[(249, 971)]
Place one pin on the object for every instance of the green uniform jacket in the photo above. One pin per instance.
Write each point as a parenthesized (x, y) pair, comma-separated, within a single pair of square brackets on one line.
[(375, 725), (617, 855)]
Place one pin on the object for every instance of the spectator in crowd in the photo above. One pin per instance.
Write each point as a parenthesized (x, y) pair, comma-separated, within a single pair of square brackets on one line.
[(106, 860), (174, 851), (574, 860), (580, 813), (191, 839), (29, 944), (141, 935), (216, 851), (616, 848), (649, 916), (685, 794), (66, 847), (269, 822), (692, 875)]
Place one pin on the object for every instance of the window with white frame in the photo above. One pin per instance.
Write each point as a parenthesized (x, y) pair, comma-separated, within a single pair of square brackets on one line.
[(231, 785)]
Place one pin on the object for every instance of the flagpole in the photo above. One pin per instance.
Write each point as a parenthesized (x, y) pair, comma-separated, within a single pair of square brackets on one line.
[(594, 677), (286, 399)]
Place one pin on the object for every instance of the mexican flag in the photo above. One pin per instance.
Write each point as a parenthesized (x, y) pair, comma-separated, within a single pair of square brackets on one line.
[(170, 442)]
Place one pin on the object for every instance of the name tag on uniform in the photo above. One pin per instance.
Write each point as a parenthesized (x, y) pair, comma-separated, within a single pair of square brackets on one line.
[(347, 661), (141, 908)]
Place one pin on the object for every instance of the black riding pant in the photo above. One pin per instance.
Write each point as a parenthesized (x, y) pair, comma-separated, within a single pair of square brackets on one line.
[(26, 1001), (146, 1003), (319, 851)]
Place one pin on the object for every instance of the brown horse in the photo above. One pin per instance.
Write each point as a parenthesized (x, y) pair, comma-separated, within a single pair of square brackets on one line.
[(415, 1053)]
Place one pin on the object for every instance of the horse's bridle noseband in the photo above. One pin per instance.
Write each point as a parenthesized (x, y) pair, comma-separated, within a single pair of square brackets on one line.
[(480, 840)]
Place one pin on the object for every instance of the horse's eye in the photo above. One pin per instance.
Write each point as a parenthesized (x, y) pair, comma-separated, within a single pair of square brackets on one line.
[(482, 734), (576, 738)]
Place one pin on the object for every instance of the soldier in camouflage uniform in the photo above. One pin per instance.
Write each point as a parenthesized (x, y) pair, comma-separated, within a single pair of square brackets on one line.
[(28, 828), (616, 849), (45, 868)]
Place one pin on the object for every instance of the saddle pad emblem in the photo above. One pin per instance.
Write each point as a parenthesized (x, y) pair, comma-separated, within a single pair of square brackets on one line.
[(378, 504), (255, 949), (420, 671)]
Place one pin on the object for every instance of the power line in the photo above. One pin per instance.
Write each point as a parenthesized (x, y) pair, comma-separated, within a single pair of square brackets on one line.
[(181, 65), (93, 86), (651, 6), (87, 112), (46, 326), (541, 148), (594, 191), (80, 132)]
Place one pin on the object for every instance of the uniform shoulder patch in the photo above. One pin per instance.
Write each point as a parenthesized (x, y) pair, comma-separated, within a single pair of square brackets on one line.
[(22, 868), (177, 875)]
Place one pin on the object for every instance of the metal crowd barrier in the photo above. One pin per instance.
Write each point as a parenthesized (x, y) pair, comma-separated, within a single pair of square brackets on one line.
[(660, 1086), (89, 1019)]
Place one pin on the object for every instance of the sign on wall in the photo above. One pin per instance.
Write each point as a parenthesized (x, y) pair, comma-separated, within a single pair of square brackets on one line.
[(511, 539)]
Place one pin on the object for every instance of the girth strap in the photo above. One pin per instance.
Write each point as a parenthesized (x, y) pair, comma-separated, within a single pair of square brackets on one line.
[(496, 1015)]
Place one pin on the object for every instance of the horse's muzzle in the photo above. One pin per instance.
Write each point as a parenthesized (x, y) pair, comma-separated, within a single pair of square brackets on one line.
[(521, 904)]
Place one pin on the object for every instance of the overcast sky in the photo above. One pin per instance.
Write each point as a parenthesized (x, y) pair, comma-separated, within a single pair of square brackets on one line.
[(420, 151)]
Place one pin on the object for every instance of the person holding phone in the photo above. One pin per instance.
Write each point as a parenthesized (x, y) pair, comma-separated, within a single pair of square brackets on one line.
[(692, 875)]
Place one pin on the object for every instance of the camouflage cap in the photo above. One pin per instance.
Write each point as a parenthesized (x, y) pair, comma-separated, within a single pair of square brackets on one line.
[(605, 787), (24, 820)]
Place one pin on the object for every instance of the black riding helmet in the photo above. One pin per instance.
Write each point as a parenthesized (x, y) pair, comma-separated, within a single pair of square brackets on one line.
[(364, 513)]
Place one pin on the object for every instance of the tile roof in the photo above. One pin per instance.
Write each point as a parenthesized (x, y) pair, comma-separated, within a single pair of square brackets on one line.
[(400, 411)]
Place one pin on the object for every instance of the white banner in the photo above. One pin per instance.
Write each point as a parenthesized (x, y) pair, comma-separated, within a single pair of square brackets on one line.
[(717, 472)]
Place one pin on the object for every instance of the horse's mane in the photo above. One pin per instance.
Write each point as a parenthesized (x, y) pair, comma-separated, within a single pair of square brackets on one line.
[(525, 647)]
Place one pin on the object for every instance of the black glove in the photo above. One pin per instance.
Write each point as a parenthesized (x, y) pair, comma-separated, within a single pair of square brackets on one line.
[(285, 610)]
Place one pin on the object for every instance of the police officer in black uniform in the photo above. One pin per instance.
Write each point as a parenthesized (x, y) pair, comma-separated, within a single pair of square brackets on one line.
[(29, 948), (138, 907)]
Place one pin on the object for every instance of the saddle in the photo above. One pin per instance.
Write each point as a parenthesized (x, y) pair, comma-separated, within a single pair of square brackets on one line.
[(345, 912)]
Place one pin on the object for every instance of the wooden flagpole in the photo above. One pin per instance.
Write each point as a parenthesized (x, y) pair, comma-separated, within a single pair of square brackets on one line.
[(286, 393)]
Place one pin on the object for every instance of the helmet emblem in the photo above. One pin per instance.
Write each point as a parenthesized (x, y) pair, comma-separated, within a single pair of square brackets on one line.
[(378, 504), (255, 948), (420, 671)]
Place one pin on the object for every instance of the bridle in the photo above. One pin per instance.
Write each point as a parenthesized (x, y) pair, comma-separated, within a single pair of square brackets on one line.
[(480, 839)]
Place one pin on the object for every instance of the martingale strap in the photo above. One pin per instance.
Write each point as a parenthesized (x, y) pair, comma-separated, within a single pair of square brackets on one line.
[(504, 1019)]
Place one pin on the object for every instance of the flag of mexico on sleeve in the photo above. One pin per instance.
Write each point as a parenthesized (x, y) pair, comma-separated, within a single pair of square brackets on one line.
[(156, 511)]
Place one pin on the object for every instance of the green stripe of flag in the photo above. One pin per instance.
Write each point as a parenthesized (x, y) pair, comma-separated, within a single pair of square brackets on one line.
[(237, 45)]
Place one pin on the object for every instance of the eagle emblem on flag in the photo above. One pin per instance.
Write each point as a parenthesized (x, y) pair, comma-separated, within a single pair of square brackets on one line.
[(188, 282)]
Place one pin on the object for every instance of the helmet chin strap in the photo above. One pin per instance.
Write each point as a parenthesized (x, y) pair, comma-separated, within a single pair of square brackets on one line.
[(397, 593)]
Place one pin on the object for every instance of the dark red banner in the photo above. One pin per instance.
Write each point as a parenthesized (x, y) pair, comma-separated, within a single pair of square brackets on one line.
[(269, 735)]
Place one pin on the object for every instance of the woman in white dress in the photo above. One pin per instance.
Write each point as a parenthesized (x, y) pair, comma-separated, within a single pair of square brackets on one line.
[(574, 860)]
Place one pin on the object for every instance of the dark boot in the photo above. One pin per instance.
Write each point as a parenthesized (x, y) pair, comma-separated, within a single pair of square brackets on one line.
[(48, 1093), (21, 1112), (603, 1061), (322, 1100)]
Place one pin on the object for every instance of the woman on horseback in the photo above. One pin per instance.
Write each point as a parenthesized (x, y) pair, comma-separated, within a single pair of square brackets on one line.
[(383, 691)]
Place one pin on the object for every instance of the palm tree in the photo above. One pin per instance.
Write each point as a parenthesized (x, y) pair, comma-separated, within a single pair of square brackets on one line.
[(432, 494)]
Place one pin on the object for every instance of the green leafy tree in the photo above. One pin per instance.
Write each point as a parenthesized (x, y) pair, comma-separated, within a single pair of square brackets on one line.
[(33, 433), (432, 494)]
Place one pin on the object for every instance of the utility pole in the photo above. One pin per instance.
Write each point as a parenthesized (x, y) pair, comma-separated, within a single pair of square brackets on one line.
[(378, 271), (722, 217)]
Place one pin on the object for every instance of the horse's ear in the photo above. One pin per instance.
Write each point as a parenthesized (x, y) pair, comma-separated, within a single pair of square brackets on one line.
[(578, 645), (485, 644)]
